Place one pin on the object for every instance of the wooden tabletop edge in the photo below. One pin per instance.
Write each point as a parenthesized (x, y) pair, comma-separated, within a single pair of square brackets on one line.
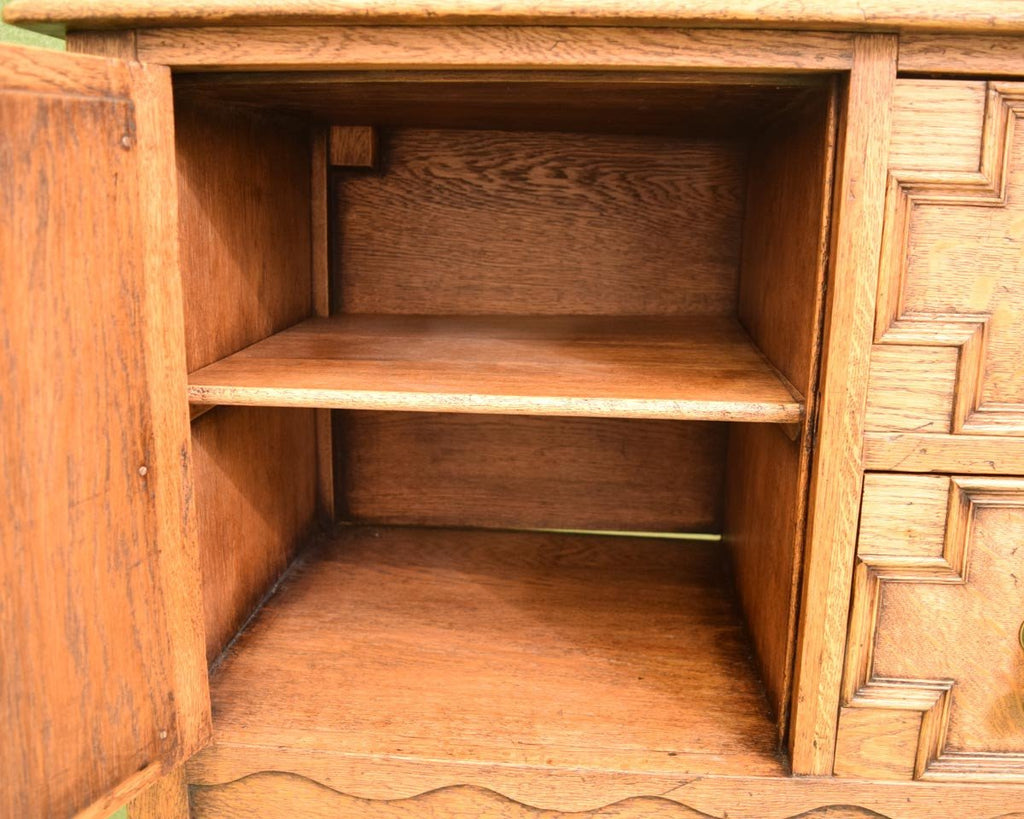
[(959, 16)]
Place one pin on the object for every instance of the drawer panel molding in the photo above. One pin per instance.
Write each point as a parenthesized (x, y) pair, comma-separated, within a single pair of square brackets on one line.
[(952, 270), (934, 681)]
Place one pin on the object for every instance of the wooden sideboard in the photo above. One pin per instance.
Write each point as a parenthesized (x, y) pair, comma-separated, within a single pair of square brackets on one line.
[(513, 409)]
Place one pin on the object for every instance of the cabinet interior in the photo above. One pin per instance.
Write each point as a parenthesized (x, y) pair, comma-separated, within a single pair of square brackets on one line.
[(557, 307)]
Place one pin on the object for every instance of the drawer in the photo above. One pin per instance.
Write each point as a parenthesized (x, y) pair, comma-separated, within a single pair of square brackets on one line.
[(934, 679), (947, 375)]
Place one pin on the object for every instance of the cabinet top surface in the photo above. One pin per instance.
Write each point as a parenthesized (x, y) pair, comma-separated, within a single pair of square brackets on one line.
[(979, 16)]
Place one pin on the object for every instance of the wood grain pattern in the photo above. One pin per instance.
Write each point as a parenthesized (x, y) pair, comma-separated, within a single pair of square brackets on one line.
[(255, 497), (555, 653), (319, 235), (836, 469), (166, 799), (764, 505), (531, 472), (780, 303), (911, 511), (246, 214), (937, 124), (686, 368), (574, 224), (925, 452), (853, 15), (911, 388), (951, 275), (99, 571), (490, 47), (244, 222), (936, 617), (985, 56), (280, 795), (319, 221), (786, 235), (703, 104), (876, 744), (272, 793), (163, 342), (353, 146), (118, 44)]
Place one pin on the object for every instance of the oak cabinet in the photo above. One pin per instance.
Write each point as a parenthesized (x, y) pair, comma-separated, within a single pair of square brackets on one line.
[(511, 417)]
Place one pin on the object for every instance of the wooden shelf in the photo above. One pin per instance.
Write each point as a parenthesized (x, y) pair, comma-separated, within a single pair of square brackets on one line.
[(695, 368), (471, 656)]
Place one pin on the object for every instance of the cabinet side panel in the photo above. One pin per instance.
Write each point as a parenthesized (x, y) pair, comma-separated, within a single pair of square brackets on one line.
[(255, 499), (244, 202), (246, 246), (781, 295), (100, 642)]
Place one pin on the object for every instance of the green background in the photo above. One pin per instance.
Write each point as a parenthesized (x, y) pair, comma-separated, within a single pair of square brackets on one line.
[(10, 34)]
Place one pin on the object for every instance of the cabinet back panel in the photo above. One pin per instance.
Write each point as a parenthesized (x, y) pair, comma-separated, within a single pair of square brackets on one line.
[(521, 471), (489, 222)]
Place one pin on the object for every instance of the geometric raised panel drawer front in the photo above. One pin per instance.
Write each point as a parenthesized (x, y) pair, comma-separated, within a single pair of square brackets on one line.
[(948, 360), (934, 679)]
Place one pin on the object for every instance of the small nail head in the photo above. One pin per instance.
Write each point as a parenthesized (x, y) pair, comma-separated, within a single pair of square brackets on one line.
[(143, 471)]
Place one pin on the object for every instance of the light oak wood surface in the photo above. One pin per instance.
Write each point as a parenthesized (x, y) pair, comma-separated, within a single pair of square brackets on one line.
[(950, 313), (562, 653), (530, 472), (276, 795), (936, 452), (244, 223), (118, 44), (491, 47), (936, 624), (833, 508), (103, 676), (660, 269), (854, 15), (780, 304), (679, 368), (166, 799), (255, 498), (942, 53), (937, 124)]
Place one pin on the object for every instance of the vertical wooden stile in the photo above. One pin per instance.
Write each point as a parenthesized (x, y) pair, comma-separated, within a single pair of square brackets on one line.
[(836, 471)]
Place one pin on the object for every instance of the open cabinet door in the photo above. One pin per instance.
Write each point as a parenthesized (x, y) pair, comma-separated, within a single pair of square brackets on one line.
[(102, 671)]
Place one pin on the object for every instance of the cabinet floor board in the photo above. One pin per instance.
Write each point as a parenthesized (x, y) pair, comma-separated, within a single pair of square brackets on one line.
[(498, 650)]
